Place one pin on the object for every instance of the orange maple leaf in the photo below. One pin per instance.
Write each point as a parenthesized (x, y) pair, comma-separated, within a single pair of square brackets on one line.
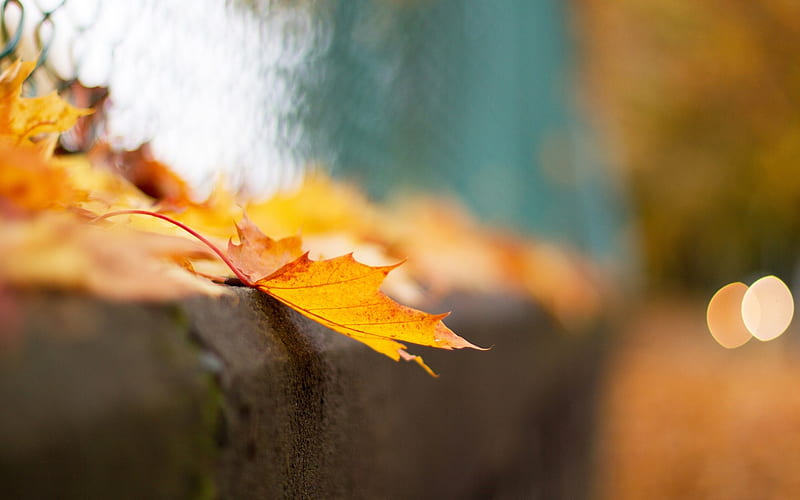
[(340, 293)]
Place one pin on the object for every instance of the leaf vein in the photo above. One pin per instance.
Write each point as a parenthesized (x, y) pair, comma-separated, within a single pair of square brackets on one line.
[(319, 285), (377, 304)]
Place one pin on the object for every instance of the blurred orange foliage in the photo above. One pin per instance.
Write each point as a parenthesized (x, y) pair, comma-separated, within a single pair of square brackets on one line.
[(683, 418), (45, 240), (698, 101)]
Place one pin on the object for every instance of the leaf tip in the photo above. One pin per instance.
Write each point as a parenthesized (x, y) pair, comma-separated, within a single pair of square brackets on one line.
[(449, 340), (418, 360)]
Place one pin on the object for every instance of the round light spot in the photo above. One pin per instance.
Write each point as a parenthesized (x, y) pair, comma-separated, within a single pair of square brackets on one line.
[(767, 308), (724, 316)]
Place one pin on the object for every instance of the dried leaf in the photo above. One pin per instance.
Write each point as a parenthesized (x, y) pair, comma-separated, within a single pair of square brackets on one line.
[(258, 256), (319, 205), (22, 119), (341, 294), (28, 182), (149, 175), (61, 251), (400, 284)]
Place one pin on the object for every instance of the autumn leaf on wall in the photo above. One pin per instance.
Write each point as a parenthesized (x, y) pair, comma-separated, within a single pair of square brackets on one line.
[(340, 293)]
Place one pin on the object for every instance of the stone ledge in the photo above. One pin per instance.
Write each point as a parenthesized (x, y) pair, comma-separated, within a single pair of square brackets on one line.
[(103, 400), (113, 400)]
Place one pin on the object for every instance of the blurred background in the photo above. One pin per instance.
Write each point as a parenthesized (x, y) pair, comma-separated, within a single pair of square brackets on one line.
[(658, 137), (696, 104)]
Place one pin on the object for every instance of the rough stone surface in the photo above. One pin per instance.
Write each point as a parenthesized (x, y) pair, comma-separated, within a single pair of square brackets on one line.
[(309, 413), (102, 400), (113, 400)]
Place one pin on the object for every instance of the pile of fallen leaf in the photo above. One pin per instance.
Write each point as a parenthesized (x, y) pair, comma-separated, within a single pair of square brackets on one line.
[(122, 226)]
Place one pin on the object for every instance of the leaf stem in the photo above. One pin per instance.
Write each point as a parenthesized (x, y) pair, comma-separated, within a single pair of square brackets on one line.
[(244, 279)]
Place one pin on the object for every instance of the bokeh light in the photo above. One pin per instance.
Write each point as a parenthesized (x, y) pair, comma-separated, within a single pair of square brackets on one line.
[(724, 316), (767, 308), (763, 310)]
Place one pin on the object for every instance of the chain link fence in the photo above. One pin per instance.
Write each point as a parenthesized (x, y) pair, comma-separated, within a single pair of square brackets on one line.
[(29, 31), (210, 85)]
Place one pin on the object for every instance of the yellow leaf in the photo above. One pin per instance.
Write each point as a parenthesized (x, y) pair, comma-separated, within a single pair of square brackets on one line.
[(59, 250), (22, 119), (341, 294), (319, 205), (28, 182)]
